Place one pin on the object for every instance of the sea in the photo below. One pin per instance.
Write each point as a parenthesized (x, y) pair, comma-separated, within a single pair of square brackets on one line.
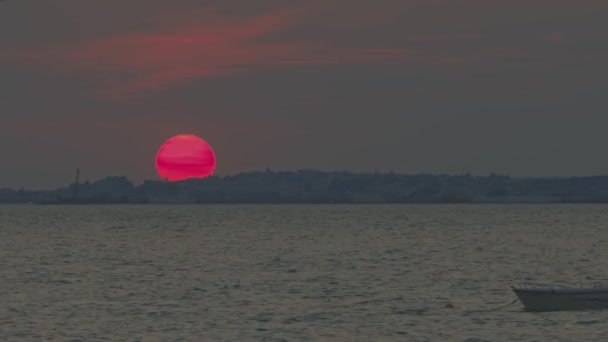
[(295, 272)]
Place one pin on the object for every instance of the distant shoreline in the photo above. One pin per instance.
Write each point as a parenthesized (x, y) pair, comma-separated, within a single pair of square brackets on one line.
[(318, 187)]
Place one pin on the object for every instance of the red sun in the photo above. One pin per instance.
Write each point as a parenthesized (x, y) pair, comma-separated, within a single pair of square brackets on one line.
[(185, 156)]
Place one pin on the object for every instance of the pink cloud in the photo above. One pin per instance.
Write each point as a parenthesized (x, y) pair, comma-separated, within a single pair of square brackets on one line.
[(131, 63), (207, 45)]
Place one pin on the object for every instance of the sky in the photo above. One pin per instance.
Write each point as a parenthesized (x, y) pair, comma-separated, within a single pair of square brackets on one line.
[(413, 86)]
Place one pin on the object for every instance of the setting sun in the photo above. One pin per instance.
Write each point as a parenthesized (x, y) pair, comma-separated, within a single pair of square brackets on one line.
[(185, 156)]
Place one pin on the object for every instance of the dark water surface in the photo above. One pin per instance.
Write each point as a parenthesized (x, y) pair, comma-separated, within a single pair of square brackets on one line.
[(291, 273)]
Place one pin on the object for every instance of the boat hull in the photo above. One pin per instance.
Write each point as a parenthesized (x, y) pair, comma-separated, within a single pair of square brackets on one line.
[(562, 299)]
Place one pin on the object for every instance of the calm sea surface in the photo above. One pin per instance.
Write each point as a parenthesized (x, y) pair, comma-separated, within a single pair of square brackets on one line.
[(291, 273)]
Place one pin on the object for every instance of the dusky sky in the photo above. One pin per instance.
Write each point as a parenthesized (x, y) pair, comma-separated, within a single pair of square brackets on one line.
[(440, 86)]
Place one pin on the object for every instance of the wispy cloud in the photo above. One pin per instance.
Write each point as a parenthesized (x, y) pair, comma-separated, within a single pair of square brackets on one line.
[(131, 63), (212, 46), (198, 44), (445, 38), (553, 37)]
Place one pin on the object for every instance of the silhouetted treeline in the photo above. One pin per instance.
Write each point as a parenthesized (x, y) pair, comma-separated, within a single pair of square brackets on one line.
[(310, 186)]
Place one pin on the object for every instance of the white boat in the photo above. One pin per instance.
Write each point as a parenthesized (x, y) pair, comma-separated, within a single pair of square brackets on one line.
[(561, 298)]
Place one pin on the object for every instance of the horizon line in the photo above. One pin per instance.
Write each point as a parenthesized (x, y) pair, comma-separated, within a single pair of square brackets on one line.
[(270, 171)]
